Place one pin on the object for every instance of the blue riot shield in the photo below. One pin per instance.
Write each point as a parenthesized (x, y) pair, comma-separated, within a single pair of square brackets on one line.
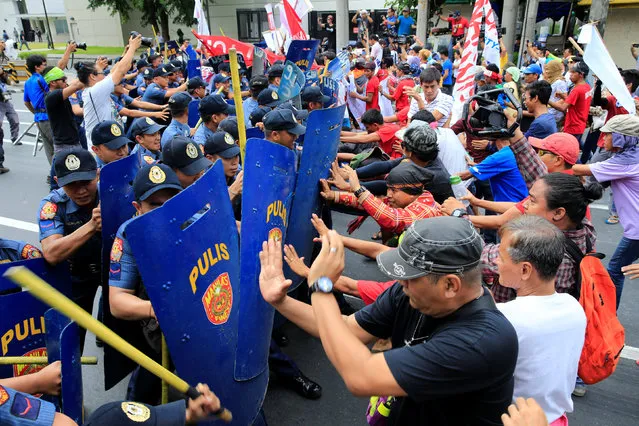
[(190, 269), (254, 133), (194, 114), (269, 179), (292, 82), (116, 196), (63, 345), (320, 149), (194, 68), (22, 325), (302, 53)]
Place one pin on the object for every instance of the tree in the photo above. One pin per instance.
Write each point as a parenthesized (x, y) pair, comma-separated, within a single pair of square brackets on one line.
[(154, 12)]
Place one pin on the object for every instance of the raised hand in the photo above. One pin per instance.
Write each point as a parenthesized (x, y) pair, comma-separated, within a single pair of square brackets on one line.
[(273, 284)]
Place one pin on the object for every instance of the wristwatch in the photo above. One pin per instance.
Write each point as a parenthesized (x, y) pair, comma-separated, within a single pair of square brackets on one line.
[(459, 213), (359, 192), (323, 285)]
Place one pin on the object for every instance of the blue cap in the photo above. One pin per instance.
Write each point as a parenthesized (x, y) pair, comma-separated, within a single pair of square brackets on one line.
[(74, 165), (161, 71), (144, 126), (533, 69), (152, 178), (314, 94), (183, 154), (110, 134), (148, 73), (127, 413), (220, 78), (283, 119), (300, 114), (180, 101), (268, 97), (258, 114), (221, 143), (214, 104)]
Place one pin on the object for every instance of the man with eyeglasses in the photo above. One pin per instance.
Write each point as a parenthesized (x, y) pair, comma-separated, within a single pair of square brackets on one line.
[(63, 123)]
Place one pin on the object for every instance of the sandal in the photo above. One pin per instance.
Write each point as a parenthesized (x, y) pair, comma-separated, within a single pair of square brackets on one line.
[(377, 236), (613, 219)]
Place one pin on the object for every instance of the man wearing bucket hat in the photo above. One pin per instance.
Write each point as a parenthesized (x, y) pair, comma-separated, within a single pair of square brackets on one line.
[(431, 314), (621, 136)]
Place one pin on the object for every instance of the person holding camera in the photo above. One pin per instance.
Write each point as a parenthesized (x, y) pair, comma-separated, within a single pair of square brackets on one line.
[(98, 105), (363, 21), (405, 23)]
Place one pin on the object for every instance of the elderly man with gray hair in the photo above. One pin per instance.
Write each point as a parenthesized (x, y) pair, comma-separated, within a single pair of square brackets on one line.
[(550, 326)]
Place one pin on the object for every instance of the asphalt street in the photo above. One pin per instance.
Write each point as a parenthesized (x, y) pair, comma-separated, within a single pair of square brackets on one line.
[(615, 401)]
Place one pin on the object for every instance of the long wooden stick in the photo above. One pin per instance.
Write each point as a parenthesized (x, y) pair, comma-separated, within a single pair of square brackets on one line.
[(42, 360), (237, 95), (40, 289)]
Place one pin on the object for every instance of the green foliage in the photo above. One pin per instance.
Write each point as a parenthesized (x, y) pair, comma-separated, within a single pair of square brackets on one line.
[(154, 12)]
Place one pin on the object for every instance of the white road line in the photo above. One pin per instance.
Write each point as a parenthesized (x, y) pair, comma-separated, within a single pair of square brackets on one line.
[(19, 224), (598, 207), (23, 142), (26, 123), (629, 352)]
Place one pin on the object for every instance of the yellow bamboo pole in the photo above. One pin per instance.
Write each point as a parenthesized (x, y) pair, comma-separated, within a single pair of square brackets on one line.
[(237, 96), (42, 360), (165, 364)]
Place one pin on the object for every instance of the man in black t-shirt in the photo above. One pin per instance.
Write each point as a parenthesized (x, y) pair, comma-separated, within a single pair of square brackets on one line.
[(63, 123), (454, 353)]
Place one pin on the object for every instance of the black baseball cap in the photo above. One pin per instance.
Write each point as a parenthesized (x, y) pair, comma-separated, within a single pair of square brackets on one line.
[(180, 101), (144, 126), (183, 154), (148, 73), (258, 114), (110, 134), (214, 104), (177, 65), (268, 97), (152, 178), (404, 67), (75, 165), (221, 143), (283, 119), (258, 81), (300, 114), (126, 413), (443, 245), (276, 70), (161, 71), (229, 125), (409, 177), (141, 64), (195, 82), (314, 94)]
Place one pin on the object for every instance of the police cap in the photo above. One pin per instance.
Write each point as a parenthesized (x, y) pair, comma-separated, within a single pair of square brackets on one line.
[(75, 165), (221, 143), (183, 154), (152, 178), (110, 134)]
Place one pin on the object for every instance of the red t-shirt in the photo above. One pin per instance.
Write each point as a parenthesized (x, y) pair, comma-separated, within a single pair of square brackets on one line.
[(373, 87), (577, 114), (387, 138), (401, 99), (458, 26), (520, 205), (613, 110), (369, 290), (402, 115)]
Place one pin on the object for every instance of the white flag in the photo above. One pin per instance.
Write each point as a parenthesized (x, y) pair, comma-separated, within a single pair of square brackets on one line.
[(202, 25), (491, 41), (601, 64), (269, 15), (302, 7)]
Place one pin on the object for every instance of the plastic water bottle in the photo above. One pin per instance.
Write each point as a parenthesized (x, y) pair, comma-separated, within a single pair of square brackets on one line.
[(459, 189)]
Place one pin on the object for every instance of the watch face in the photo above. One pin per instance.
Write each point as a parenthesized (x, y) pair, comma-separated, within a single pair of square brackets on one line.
[(325, 285)]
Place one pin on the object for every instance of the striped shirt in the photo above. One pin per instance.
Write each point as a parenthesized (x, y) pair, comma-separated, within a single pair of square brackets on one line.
[(442, 103)]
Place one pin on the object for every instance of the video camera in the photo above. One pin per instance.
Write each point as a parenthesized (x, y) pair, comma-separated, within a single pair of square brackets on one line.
[(146, 41), (489, 121)]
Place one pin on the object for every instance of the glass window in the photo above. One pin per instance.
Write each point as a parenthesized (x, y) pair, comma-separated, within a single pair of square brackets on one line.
[(251, 23)]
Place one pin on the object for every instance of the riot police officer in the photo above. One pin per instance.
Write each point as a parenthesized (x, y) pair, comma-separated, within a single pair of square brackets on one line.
[(70, 224), (146, 133), (12, 251), (110, 143)]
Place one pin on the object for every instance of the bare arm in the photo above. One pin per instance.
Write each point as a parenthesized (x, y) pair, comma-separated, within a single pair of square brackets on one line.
[(57, 248), (118, 70), (77, 110), (64, 60), (559, 105), (171, 92), (71, 89), (361, 138), (137, 103), (29, 107), (495, 221), (582, 170), (135, 113), (365, 248), (127, 306)]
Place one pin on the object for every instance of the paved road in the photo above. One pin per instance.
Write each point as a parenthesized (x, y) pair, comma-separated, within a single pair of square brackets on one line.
[(612, 402)]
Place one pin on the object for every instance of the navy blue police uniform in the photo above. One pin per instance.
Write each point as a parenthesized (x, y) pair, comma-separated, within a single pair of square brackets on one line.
[(144, 126), (13, 251)]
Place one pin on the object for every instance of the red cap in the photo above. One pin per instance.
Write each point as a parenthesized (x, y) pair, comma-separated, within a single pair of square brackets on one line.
[(562, 144)]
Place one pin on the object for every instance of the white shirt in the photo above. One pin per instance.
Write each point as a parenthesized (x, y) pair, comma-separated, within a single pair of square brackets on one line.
[(377, 52), (551, 331), (98, 106), (442, 103), (451, 152)]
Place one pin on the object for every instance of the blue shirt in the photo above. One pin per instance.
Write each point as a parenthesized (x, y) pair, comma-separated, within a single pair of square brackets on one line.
[(542, 126), (405, 25), (123, 270), (505, 181), (249, 106), (139, 80), (59, 215), (391, 19), (176, 128), (35, 89), (154, 94), (448, 65), (145, 156), (12, 251), (21, 409), (202, 134)]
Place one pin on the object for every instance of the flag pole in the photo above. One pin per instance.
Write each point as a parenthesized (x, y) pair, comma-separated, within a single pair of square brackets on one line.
[(237, 96)]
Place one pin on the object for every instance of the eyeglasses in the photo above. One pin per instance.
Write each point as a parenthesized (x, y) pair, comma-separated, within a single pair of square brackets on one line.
[(542, 152)]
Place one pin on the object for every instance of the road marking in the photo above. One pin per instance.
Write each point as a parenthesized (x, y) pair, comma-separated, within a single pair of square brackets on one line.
[(26, 123), (19, 224), (630, 352), (598, 207), (23, 142)]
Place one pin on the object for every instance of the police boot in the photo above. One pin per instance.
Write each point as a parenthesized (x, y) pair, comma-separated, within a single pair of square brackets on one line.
[(303, 386), (3, 169)]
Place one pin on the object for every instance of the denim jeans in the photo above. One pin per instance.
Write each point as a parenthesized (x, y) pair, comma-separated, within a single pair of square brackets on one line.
[(627, 252)]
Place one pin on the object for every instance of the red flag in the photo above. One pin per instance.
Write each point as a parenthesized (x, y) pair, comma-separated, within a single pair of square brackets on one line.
[(294, 23), (220, 45)]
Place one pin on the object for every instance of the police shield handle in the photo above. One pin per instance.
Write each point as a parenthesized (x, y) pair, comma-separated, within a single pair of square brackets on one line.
[(237, 95), (52, 297)]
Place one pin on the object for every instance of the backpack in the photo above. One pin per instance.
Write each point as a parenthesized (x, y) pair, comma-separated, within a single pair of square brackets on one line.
[(604, 333)]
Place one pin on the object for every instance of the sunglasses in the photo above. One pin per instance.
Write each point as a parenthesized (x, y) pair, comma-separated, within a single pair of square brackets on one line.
[(542, 152)]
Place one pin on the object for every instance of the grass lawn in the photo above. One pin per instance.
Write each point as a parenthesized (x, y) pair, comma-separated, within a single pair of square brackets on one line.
[(59, 49)]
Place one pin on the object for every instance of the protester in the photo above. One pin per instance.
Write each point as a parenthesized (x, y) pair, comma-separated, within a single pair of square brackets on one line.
[(575, 105), (549, 325), (536, 97), (61, 118), (377, 131), (405, 23), (372, 88), (431, 98), (553, 74)]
